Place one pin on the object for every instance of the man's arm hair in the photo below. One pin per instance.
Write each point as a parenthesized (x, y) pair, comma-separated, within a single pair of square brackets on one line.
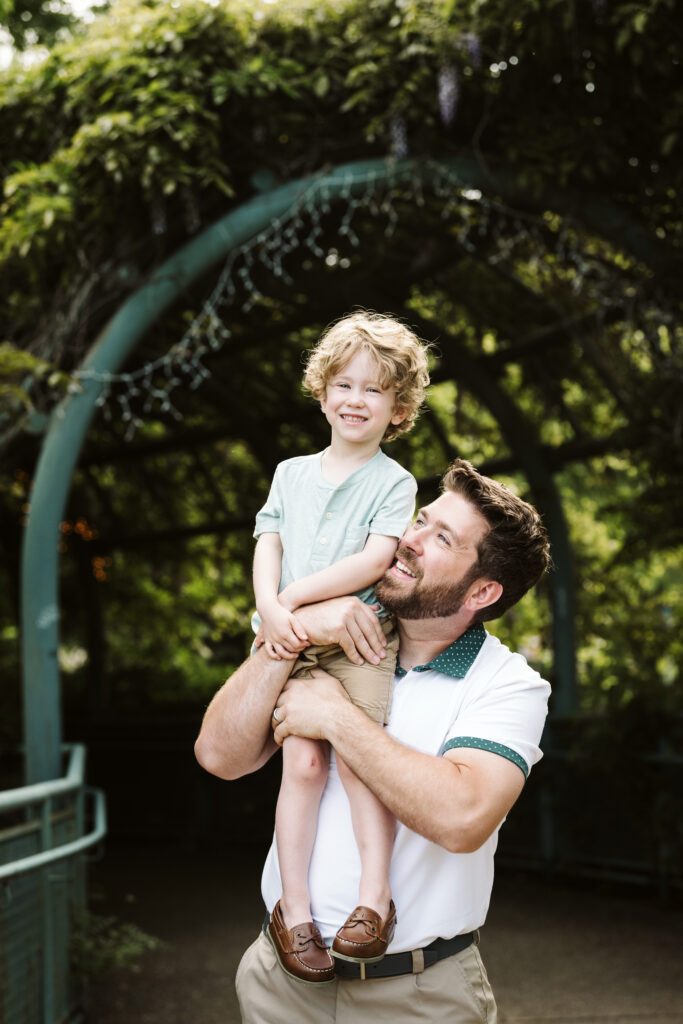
[(235, 736)]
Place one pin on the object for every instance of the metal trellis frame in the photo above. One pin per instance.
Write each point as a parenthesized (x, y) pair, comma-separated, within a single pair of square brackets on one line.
[(43, 838)]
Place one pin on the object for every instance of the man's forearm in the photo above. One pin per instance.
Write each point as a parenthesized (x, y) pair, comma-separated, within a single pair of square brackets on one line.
[(456, 801), (420, 790), (235, 738)]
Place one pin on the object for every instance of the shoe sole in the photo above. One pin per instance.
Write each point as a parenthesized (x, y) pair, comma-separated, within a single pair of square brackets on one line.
[(294, 977), (357, 959)]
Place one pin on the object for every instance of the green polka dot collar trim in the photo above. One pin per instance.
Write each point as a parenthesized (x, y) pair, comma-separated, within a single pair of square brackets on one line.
[(458, 659)]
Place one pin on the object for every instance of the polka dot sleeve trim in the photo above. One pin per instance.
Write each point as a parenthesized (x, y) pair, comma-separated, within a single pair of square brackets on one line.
[(491, 745)]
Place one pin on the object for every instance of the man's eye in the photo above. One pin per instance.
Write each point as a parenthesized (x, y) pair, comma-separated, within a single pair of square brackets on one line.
[(444, 538), (419, 521)]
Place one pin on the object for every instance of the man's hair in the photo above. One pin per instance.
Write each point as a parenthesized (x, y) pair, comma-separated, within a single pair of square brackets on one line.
[(400, 356), (515, 550)]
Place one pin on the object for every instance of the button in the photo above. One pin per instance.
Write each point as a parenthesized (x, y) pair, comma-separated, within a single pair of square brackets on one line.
[(328, 515), (323, 540)]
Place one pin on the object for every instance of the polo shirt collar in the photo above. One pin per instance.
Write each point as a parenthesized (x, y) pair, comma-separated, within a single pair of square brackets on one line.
[(456, 660)]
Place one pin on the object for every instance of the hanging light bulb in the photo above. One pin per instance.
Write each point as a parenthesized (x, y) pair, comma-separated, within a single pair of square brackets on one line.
[(399, 137), (449, 93)]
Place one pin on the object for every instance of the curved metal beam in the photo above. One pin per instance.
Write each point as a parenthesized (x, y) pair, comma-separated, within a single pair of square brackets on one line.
[(71, 419)]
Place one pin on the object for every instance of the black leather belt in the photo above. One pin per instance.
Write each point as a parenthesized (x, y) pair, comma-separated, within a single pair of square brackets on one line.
[(413, 961)]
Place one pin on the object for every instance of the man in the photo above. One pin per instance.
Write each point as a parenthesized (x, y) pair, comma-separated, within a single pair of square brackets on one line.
[(465, 724)]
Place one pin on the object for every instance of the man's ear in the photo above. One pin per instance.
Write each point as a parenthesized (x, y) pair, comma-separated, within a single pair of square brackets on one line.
[(483, 593)]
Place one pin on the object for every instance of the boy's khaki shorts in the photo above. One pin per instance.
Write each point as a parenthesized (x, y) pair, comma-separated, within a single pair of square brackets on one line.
[(369, 686)]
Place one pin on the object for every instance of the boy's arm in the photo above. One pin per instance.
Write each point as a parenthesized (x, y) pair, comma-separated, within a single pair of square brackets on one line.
[(284, 636), (236, 736), (267, 570), (345, 577)]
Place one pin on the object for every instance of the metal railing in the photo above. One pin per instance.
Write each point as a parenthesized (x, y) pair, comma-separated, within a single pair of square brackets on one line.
[(43, 839)]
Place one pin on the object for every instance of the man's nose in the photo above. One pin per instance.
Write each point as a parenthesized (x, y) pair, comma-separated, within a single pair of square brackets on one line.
[(411, 539)]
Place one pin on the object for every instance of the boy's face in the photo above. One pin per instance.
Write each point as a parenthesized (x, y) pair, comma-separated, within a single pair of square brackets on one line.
[(357, 407)]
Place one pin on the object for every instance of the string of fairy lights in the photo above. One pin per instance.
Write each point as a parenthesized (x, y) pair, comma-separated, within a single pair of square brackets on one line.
[(470, 215)]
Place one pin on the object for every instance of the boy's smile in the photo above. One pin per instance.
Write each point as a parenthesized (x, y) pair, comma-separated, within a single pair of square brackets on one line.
[(356, 404)]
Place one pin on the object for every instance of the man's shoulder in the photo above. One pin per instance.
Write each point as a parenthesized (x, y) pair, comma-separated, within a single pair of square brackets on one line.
[(496, 664)]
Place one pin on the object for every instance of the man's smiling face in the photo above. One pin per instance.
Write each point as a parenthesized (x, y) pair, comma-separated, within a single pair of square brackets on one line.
[(436, 561)]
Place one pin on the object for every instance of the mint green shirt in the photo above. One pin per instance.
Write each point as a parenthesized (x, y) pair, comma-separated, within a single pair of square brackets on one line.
[(320, 523)]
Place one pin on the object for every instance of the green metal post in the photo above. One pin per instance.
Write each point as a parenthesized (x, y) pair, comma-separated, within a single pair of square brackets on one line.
[(48, 943)]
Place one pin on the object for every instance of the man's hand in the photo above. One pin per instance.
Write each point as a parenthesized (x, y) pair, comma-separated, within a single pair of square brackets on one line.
[(307, 706), (346, 621)]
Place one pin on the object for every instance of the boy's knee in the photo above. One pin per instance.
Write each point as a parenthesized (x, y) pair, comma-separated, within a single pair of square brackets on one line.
[(309, 765)]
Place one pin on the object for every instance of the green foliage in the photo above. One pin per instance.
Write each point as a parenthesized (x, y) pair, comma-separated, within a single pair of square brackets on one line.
[(36, 22), (631, 609), (156, 103), (100, 944), (161, 117), (21, 375)]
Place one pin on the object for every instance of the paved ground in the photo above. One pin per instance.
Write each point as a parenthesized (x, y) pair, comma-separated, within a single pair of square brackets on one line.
[(567, 954)]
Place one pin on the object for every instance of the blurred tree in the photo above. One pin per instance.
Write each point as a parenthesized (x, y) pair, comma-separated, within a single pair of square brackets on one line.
[(37, 22), (559, 285)]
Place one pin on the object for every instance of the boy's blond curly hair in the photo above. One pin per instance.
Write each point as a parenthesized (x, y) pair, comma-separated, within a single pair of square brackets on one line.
[(400, 356)]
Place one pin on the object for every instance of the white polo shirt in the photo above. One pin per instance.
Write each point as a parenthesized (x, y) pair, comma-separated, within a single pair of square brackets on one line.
[(478, 694)]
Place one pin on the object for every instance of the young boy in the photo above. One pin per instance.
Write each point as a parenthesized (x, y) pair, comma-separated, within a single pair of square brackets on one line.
[(331, 527)]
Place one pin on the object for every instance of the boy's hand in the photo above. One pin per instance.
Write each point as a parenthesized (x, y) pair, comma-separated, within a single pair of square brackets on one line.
[(284, 635)]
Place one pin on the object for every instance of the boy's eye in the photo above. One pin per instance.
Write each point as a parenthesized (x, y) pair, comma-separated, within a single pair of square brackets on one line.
[(375, 391)]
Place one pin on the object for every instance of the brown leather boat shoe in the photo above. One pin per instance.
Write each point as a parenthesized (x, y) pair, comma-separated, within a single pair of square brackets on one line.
[(364, 936), (301, 952)]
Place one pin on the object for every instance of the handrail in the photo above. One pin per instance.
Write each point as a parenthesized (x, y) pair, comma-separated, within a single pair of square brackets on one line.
[(39, 860), (40, 791)]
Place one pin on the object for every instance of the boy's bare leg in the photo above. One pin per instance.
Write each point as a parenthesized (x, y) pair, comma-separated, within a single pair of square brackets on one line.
[(304, 773), (374, 828)]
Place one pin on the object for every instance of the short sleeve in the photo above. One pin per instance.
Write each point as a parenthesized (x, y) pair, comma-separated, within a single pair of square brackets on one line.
[(508, 719), (269, 518), (396, 510)]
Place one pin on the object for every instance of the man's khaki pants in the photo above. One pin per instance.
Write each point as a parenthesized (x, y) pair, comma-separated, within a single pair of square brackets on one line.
[(453, 991)]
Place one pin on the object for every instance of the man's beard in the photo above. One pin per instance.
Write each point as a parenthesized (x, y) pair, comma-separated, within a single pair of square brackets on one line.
[(422, 601)]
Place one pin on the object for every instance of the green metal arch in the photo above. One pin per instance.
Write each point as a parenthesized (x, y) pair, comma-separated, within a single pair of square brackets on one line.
[(70, 421)]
